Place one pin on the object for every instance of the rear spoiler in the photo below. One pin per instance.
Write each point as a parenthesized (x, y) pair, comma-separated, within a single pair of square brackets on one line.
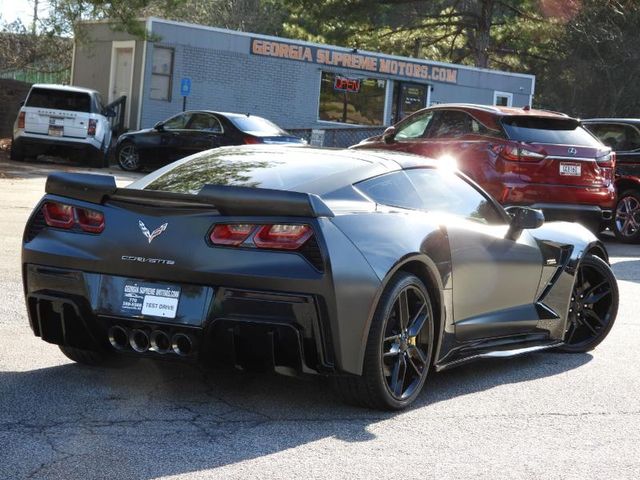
[(228, 200)]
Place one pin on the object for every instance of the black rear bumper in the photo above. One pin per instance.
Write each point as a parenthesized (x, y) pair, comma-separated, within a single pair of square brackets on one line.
[(30, 146), (244, 328)]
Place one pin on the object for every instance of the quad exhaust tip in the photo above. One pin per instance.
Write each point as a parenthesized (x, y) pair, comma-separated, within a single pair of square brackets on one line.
[(160, 342), (139, 340), (118, 337), (182, 344)]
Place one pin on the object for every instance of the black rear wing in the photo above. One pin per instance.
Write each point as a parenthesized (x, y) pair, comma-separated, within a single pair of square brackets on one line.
[(228, 200)]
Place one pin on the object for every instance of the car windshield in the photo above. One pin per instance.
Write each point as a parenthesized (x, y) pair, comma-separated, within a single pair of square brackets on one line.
[(262, 167), (59, 100), (257, 126), (560, 131)]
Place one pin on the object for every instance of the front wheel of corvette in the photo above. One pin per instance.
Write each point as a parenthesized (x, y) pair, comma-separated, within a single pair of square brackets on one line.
[(398, 352), (85, 357), (593, 308)]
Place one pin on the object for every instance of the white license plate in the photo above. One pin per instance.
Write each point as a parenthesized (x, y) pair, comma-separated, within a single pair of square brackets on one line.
[(571, 169), (56, 131), (142, 298)]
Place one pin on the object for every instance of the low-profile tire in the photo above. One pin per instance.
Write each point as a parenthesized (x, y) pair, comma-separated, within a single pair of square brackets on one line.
[(128, 156), (626, 217), (15, 153), (85, 357), (398, 352), (593, 308)]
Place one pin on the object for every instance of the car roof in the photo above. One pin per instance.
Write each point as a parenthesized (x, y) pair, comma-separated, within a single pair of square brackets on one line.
[(64, 88), (226, 114), (501, 111)]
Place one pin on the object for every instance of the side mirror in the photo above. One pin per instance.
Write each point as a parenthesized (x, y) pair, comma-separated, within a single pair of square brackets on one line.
[(159, 126), (523, 218), (389, 135), (109, 112)]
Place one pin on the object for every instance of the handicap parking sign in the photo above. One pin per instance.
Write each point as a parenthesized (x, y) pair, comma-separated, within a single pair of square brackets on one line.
[(185, 86)]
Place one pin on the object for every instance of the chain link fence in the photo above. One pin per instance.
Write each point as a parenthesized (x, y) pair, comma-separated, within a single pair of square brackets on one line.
[(336, 137)]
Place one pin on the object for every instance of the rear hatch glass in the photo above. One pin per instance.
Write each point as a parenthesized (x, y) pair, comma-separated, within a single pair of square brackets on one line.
[(258, 126), (59, 100), (568, 151), (57, 113)]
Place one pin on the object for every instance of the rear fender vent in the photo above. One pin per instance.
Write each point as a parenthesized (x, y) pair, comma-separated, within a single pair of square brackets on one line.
[(36, 225), (311, 251)]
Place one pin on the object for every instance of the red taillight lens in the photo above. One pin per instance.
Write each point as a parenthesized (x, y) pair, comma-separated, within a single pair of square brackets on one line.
[(90, 221), (250, 140), (518, 153), (282, 237), (58, 215), (231, 234), (64, 216), (608, 160), (21, 116), (91, 130)]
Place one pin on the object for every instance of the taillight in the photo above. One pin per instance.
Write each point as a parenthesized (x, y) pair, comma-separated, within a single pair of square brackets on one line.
[(283, 237), (278, 236), (608, 160), (518, 153), (91, 130), (59, 215), (250, 140), (21, 116), (232, 234), (90, 221)]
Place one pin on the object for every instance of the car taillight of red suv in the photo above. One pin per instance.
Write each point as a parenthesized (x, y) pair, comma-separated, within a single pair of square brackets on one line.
[(522, 156)]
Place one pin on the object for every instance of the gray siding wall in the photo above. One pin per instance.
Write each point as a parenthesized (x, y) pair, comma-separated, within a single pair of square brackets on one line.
[(226, 77), (92, 63)]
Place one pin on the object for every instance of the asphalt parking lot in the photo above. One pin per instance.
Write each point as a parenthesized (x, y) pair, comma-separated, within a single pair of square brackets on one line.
[(547, 415)]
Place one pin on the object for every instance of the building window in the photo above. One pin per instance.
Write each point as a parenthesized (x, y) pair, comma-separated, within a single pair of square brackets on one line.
[(161, 73), (503, 99), (358, 101)]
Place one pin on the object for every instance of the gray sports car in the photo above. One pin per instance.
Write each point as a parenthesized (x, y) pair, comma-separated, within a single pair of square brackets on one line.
[(369, 267)]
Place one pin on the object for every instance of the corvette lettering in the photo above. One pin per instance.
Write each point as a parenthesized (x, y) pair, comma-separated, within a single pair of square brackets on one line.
[(159, 261)]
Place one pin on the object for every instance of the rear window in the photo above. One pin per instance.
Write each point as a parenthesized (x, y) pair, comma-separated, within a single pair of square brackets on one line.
[(276, 169), (559, 131), (59, 100), (258, 126)]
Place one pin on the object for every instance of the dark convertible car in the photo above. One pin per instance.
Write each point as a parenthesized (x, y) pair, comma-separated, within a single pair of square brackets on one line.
[(369, 267), (194, 131)]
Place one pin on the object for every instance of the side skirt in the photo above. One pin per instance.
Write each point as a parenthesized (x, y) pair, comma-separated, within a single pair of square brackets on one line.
[(510, 351)]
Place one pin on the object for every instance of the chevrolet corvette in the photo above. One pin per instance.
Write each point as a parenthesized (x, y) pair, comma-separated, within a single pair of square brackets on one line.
[(370, 267)]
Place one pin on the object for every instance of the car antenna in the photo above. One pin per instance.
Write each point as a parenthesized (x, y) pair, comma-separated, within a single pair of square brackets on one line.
[(526, 108), (248, 114)]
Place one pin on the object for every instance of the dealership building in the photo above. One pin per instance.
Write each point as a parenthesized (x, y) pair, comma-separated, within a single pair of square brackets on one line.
[(298, 85)]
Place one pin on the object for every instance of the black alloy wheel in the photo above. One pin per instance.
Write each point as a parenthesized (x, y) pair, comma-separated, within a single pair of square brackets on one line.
[(399, 346), (626, 221), (594, 306), (128, 157)]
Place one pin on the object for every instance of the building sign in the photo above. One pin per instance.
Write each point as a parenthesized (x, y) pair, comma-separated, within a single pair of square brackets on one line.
[(356, 61)]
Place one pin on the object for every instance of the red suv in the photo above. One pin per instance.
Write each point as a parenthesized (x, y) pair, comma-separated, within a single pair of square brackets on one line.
[(521, 156)]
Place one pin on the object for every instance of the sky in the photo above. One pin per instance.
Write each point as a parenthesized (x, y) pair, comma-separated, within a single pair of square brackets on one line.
[(13, 9)]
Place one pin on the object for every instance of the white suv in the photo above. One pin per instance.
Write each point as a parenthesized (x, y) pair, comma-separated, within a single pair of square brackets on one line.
[(64, 120)]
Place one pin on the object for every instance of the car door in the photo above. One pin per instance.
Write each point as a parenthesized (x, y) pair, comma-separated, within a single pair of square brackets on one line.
[(624, 139), (495, 279), (204, 131), (170, 137)]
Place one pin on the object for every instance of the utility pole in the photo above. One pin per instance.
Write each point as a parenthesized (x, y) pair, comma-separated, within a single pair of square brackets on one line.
[(35, 17)]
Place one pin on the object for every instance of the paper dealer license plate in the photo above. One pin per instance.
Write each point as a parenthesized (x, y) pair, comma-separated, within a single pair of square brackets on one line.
[(141, 298), (571, 169)]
